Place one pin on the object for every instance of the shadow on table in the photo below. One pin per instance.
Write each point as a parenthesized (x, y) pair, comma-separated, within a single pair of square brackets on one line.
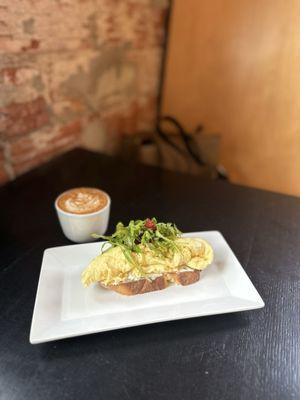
[(204, 331)]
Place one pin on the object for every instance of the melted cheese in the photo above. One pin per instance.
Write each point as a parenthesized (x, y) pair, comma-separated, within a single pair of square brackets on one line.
[(111, 267)]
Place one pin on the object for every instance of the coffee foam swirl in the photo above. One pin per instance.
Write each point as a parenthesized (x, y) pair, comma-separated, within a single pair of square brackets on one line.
[(82, 200)]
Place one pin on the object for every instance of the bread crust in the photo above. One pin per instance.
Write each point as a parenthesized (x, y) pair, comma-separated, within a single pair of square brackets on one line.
[(141, 286), (185, 278)]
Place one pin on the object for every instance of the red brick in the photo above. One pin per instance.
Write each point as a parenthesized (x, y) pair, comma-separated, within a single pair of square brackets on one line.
[(25, 125), (21, 75), (71, 129), (9, 74), (33, 45), (26, 152), (138, 117), (22, 149), (68, 136), (158, 26), (21, 118), (3, 173)]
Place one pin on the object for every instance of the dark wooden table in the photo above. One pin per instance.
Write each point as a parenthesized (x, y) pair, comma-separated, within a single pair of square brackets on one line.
[(249, 355)]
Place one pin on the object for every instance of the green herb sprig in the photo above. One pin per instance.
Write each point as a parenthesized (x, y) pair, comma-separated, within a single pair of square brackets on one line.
[(158, 236)]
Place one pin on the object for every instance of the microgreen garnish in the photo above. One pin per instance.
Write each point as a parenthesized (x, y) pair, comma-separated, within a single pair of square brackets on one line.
[(158, 236)]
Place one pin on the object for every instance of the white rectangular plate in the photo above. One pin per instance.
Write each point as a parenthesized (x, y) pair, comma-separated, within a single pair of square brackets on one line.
[(64, 308)]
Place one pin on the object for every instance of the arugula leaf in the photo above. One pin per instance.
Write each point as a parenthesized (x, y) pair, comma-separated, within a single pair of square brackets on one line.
[(158, 236)]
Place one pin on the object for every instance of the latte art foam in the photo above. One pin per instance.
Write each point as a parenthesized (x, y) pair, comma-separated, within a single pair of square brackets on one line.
[(82, 200)]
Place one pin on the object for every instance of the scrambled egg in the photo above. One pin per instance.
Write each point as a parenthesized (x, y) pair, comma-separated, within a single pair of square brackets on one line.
[(112, 267)]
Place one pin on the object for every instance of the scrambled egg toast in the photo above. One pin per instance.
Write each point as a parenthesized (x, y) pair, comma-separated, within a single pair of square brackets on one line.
[(112, 267)]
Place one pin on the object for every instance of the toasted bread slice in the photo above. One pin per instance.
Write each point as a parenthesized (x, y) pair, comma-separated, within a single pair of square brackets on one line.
[(184, 278), (161, 282)]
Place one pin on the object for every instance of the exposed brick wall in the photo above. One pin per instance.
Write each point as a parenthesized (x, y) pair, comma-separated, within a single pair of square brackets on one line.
[(75, 72)]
